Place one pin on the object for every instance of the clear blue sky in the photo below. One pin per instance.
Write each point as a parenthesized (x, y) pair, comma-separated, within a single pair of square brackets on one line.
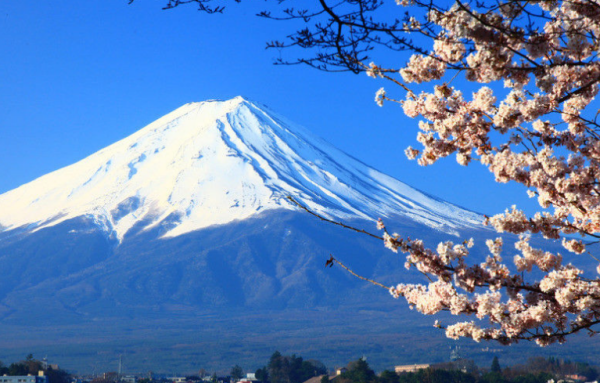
[(80, 75)]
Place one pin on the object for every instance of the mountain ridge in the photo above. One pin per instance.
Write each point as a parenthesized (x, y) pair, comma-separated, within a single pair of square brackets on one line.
[(211, 163)]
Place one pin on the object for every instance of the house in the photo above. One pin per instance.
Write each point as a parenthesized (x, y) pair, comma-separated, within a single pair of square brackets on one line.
[(410, 368), (40, 378), (129, 379)]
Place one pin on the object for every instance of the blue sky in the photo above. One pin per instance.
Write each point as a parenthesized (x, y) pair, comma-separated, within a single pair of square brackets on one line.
[(80, 75)]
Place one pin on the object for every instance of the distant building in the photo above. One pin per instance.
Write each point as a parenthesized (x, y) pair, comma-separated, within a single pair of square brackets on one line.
[(410, 368), (129, 379), (340, 371), (251, 376), (40, 378)]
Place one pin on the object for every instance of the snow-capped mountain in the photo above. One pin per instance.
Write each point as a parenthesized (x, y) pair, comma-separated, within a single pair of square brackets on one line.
[(212, 163), (180, 239)]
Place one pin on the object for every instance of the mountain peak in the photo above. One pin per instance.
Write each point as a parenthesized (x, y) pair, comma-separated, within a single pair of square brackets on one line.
[(214, 162), (227, 106)]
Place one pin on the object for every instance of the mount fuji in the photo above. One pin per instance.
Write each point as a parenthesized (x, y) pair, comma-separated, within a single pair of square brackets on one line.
[(165, 240), (212, 163)]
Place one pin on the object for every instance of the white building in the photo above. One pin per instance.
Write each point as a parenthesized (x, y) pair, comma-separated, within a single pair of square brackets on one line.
[(39, 378)]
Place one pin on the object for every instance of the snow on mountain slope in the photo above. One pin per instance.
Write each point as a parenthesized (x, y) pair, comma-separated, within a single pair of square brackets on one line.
[(214, 162)]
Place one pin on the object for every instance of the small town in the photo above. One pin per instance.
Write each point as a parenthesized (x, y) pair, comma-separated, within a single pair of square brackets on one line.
[(294, 369)]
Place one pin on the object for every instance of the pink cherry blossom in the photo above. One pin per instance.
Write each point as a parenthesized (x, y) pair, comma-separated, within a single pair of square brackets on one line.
[(541, 132)]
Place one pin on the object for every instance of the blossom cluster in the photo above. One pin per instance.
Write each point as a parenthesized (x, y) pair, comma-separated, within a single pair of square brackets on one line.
[(540, 130), (545, 311)]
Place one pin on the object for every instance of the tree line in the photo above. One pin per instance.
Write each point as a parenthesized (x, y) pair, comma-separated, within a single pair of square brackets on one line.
[(293, 369), (535, 370), (289, 369)]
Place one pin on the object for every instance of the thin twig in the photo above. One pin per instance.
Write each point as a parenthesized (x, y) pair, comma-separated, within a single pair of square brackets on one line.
[(331, 221), (332, 259)]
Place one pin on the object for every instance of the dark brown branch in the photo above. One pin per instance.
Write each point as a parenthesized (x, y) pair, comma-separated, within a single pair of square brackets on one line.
[(578, 91), (332, 260), (331, 221)]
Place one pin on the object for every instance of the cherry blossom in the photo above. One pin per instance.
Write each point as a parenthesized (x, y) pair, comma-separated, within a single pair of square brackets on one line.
[(534, 124)]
